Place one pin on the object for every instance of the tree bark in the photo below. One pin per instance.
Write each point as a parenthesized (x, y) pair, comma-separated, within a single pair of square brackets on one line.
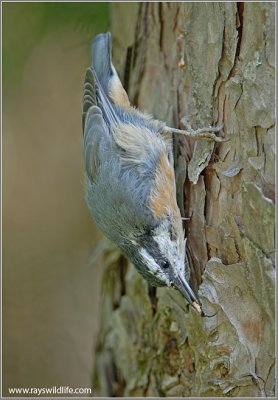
[(212, 63)]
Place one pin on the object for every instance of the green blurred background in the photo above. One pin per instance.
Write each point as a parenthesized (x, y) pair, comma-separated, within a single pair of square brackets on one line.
[(51, 284)]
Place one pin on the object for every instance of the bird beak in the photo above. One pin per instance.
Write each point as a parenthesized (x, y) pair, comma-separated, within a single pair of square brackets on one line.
[(182, 285)]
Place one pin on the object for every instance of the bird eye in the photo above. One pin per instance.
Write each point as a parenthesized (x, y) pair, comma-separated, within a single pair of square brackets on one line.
[(164, 263)]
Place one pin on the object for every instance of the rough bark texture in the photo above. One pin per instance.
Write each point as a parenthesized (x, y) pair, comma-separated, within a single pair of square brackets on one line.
[(211, 62)]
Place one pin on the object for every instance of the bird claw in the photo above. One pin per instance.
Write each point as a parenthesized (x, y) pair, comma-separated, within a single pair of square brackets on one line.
[(209, 134), (218, 128)]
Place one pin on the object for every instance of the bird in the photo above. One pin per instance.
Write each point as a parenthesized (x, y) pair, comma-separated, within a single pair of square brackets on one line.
[(130, 179)]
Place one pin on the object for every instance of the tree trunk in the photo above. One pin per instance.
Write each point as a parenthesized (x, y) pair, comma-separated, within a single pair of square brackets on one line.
[(213, 63)]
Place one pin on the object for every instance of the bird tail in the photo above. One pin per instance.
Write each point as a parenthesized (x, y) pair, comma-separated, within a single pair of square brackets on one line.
[(105, 71), (97, 79), (102, 59), (103, 87)]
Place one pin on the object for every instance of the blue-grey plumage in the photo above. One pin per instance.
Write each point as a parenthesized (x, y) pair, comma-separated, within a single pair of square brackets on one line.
[(130, 183)]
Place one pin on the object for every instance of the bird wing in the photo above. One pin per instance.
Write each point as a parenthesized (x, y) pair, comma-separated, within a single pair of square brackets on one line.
[(94, 94), (95, 133), (89, 95)]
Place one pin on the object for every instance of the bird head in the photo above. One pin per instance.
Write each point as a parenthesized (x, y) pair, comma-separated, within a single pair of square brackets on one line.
[(160, 257)]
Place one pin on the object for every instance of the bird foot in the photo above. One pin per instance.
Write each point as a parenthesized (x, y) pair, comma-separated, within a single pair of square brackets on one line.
[(201, 133)]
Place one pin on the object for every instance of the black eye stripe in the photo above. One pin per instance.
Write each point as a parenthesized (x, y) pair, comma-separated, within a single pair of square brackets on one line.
[(152, 248), (148, 243)]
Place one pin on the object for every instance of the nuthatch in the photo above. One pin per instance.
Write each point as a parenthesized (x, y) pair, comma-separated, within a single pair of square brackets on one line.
[(130, 181)]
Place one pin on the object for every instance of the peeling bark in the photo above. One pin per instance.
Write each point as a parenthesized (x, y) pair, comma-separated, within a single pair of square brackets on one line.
[(211, 63)]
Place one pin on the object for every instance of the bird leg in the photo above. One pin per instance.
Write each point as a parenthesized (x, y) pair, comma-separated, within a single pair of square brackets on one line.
[(200, 134)]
